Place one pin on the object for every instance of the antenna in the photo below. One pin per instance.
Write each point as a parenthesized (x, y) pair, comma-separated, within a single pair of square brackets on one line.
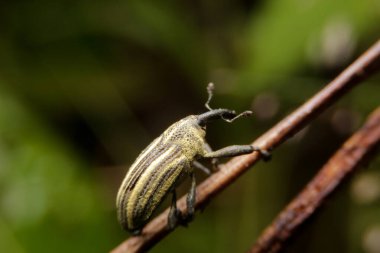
[(210, 91)]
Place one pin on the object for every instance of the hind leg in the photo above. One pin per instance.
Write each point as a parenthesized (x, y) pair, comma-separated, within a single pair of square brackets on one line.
[(174, 214)]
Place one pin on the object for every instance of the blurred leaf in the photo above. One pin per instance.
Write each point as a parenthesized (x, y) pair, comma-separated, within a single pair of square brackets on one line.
[(280, 34), (42, 182)]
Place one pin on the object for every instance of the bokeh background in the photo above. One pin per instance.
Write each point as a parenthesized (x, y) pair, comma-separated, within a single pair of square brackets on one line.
[(86, 85)]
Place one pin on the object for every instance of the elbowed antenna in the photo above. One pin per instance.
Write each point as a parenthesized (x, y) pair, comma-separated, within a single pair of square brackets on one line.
[(224, 114), (210, 91), (213, 114), (243, 114)]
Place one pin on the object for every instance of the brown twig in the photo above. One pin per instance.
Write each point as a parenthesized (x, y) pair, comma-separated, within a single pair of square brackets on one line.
[(349, 157), (229, 172)]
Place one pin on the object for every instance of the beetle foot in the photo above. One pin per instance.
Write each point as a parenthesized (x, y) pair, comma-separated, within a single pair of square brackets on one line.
[(174, 218), (189, 218), (186, 219), (215, 164), (136, 232), (179, 219), (266, 155)]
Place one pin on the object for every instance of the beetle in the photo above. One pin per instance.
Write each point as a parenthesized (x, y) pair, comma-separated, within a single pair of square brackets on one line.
[(166, 161)]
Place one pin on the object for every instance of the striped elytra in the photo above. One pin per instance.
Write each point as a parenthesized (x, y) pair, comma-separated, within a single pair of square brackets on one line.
[(156, 171)]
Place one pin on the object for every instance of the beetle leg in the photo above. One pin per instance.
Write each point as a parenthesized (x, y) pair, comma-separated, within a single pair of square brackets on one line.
[(237, 150), (136, 232), (175, 216), (200, 166), (264, 153), (191, 197), (214, 161), (174, 213)]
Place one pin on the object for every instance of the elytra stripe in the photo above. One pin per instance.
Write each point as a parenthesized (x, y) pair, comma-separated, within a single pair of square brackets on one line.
[(169, 175), (131, 170), (153, 180), (145, 159), (160, 168), (124, 194), (150, 154), (150, 159), (140, 184)]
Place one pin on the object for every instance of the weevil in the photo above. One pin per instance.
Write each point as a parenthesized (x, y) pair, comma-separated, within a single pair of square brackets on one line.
[(166, 161)]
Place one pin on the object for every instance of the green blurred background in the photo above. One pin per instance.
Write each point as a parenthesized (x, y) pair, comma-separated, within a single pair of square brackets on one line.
[(86, 85)]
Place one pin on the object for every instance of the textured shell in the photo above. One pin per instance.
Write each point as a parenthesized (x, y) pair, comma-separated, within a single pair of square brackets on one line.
[(156, 171)]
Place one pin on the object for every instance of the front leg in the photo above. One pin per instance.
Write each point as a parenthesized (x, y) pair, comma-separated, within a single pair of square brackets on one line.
[(236, 150)]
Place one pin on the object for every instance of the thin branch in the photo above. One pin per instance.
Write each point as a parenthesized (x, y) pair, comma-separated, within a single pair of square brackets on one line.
[(360, 147), (365, 65)]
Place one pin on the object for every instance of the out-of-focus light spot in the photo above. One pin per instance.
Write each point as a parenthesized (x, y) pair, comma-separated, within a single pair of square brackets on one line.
[(344, 121), (24, 203), (366, 188), (338, 42), (371, 240), (265, 105), (335, 46)]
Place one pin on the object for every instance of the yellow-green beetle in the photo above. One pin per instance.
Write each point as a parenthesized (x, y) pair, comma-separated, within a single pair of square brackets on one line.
[(171, 156)]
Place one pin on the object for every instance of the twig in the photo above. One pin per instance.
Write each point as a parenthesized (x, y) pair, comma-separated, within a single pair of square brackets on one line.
[(154, 231), (349, 157)]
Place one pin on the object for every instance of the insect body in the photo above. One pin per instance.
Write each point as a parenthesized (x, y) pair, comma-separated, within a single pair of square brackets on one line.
[(170, 157)]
